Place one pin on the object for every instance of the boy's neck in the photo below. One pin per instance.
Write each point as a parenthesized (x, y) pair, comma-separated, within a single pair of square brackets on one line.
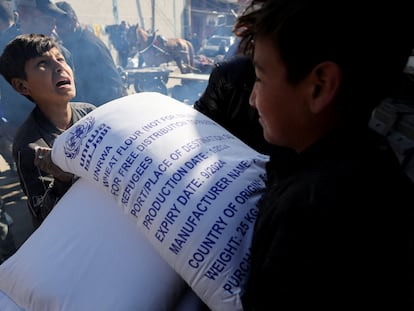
[(59, 115)]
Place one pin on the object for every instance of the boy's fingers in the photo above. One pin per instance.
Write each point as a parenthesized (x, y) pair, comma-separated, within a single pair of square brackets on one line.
[(43, 160), (40, 155)]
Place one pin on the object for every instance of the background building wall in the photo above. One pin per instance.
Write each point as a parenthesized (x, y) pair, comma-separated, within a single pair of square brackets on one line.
[(168, 14)]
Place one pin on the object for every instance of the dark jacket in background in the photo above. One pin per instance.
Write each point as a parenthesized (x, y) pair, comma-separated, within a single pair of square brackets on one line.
[(14, 107), (226, 101), (96, 76)]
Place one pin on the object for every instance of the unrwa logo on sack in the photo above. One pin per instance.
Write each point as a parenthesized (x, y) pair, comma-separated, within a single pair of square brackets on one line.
[(76, 135), (93, 140)]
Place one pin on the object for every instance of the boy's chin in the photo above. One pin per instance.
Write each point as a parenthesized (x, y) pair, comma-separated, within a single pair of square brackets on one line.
[(71, 95)]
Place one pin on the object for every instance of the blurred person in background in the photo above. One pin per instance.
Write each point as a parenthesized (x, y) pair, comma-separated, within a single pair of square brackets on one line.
[(8, 30), (7, 244), (38, 16), (121, 44), (97, 78)]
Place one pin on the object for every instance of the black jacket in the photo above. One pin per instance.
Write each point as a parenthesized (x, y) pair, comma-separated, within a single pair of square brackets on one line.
[(334, 231), (41, 189)]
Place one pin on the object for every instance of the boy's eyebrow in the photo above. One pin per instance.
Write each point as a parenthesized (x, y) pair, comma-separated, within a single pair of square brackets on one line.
[(40, 57)]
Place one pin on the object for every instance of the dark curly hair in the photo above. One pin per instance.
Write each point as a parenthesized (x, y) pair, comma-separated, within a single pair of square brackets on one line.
[(22, 48)]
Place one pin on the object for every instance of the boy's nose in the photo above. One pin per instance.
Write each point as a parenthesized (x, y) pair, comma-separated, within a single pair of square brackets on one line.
[(252, 98), (58, 66)]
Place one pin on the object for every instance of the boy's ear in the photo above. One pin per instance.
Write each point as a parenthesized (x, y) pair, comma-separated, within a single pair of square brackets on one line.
[(20, 86), (325, 83)]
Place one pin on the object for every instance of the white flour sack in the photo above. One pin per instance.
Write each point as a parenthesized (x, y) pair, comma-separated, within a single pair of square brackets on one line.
[(190, 186)]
